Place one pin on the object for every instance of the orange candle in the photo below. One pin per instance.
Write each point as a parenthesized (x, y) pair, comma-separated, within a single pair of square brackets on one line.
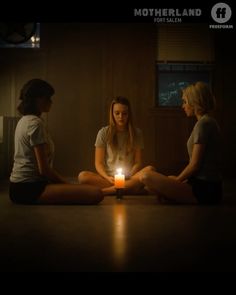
[(119, 179)]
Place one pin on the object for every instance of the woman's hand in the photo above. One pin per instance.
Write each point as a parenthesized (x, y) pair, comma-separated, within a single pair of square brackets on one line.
[(110, 179)]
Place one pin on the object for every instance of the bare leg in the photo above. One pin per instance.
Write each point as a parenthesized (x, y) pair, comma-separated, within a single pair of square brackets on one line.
[(135, 186), (132, 185), (168, 188), (71, 194), (87, 177)]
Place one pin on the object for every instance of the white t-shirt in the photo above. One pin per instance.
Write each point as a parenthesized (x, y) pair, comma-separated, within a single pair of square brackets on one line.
[(30, 131), (120, 158), (206, 131)]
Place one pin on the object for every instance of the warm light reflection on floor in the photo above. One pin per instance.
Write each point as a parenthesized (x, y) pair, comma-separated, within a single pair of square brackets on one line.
[(119, 236)]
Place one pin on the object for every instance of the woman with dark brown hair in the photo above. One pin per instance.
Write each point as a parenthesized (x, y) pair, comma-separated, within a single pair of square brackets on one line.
[(33, 179)]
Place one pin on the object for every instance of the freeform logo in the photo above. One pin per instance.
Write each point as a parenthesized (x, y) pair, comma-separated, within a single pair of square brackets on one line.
[(221, 13)]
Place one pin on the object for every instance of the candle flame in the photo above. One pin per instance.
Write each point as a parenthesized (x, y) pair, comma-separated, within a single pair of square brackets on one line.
[(119, 171)]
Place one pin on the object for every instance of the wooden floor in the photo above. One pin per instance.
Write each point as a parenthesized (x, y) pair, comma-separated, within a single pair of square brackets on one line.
[(132, 235)]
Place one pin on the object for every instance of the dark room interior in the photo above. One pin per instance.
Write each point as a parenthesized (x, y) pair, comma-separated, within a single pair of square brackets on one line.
[(89, 63)]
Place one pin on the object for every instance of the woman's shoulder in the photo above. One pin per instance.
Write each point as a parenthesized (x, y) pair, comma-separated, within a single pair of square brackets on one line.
[(207, 124), (207, 121), (31, 118), (103, 130), (102, 136), (31, 122)]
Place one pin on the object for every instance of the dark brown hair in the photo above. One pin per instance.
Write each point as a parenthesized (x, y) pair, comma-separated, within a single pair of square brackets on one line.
[(32, 90)]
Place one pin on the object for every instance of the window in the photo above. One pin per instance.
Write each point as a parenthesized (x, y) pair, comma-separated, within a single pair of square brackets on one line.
[(172, 78)]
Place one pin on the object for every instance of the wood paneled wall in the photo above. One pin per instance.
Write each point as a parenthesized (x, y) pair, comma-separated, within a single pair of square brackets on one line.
[(172, 130), (89, 64)]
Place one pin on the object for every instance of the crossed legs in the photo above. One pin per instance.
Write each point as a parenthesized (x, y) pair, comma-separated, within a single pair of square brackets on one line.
[(132, 185), (146, 180), (167, 189)]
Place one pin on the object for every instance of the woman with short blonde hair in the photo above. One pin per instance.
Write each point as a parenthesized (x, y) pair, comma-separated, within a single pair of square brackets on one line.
[(200, 97), (200, 181)]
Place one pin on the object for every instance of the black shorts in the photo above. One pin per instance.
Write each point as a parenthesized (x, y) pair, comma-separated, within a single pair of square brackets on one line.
[(206, 192), (26, 192)]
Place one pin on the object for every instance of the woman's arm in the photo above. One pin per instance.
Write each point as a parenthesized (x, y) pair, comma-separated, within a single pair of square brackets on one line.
[(99, 164), (137, 161), (194, 164), (43, 166)]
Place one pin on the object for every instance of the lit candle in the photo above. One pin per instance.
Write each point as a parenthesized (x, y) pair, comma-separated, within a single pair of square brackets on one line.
[(119, 179)]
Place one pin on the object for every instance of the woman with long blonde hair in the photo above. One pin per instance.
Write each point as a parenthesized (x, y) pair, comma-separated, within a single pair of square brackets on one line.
[(118, 145)]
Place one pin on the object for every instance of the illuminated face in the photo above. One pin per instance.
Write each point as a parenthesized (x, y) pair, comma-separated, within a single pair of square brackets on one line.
[(189, 110), (120, 115)]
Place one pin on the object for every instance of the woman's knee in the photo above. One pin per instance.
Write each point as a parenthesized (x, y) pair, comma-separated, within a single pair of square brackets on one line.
[(145, 174), (84, 177), (149, 168), (144, 177)]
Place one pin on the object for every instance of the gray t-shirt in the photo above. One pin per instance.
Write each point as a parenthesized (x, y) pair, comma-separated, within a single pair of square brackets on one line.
[(30, 131), (119, 158), (206, 131)]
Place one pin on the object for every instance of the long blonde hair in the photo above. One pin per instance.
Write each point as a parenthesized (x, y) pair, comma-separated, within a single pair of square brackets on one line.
[(112, 131)]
